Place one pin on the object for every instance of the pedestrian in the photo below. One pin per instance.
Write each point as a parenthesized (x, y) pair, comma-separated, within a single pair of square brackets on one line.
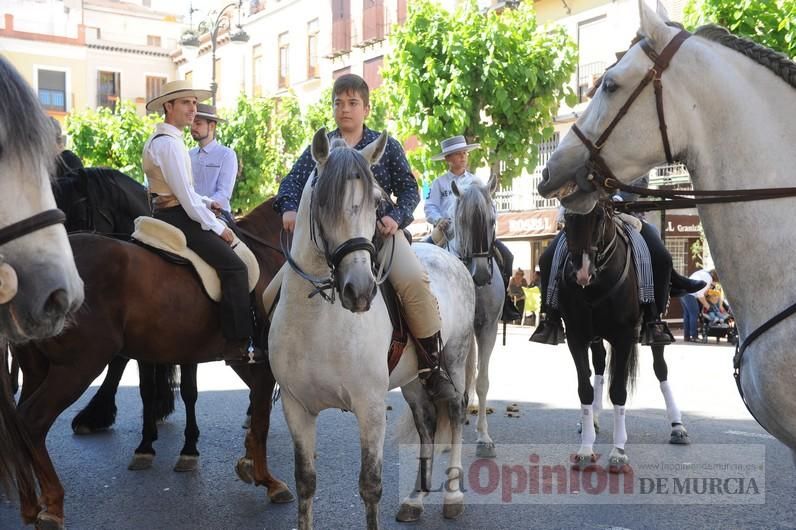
[(214, 166), (693, 303), (167, 166), (351, 106), (66, 161)]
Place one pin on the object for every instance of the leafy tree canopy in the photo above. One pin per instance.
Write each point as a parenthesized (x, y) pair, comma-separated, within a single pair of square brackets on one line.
[(497, 78), (771, 23)]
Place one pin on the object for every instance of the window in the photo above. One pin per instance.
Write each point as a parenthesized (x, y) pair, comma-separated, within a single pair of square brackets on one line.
[(591, 63), (312, 49), (153, 40), (52, 89), (341, 71), (153, 86), (108, 88), (372, 20), (257, 70), (341, 26), (371, 72), (401, 18), (284, 68)]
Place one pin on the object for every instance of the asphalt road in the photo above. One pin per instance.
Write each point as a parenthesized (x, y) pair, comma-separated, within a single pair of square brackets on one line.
[(102, 494)]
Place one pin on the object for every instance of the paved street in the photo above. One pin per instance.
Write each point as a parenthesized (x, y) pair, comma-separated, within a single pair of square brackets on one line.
[(102, 493)]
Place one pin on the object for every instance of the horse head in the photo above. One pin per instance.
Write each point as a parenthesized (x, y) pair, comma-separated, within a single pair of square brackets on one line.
[(586, 236), (475, 220), (345, 198), (626, 109), (40, 285)]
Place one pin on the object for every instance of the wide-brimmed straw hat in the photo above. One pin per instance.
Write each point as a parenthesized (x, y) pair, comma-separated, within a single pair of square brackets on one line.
[(208, 112), (452, 145), (175, 90)]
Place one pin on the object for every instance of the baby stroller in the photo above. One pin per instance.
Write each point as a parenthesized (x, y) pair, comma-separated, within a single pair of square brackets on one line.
[(717, 321)]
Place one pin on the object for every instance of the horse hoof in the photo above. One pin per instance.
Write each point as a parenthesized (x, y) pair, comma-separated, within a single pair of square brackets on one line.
[(679, 436), (512, 408), (453, 510), (485, 450), (581, 462), (409, 513), (245, 470), (282, 496), (186, 463), (247, 423), (48, 521), (140, 462), (618, 462)]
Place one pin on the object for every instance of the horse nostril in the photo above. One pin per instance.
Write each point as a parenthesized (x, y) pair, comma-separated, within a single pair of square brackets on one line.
[(545, 175), (57, 303)]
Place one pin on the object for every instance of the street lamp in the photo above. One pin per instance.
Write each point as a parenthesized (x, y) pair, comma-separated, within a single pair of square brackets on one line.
[(222, 21)]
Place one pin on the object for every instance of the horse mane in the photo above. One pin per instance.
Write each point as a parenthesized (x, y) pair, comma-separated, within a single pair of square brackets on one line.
[(471, 214), (25, 132), (777, 62), (343, 164)]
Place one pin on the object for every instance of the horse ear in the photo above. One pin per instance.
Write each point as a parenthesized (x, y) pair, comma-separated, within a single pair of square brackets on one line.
[(455, 189), (320, 146), (652, 26), (373, 151), (492, 185)]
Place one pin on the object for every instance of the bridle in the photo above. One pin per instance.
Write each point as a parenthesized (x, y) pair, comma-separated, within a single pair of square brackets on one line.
[(327, 286), (31, 224)]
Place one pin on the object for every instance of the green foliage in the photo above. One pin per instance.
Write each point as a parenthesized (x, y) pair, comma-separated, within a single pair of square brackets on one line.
[(771, 23), (105, 138), (497, 78)]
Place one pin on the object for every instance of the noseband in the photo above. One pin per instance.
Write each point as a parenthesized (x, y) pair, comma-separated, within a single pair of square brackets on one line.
[(31, 224), (599, 170)]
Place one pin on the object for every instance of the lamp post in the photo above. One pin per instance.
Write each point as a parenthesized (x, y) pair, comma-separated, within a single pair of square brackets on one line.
[(222, 21)]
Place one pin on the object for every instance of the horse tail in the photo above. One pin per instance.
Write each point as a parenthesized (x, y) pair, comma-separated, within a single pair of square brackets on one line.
[(16, 449), (165, 376), (631, 368)]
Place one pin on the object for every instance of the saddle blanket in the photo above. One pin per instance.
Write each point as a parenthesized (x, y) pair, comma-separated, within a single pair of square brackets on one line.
[(163, 236)]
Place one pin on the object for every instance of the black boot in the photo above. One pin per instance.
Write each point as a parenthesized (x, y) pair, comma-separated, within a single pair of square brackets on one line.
[(680, 285), (550, 330), (434, 377), (654, 331), (510, 311)]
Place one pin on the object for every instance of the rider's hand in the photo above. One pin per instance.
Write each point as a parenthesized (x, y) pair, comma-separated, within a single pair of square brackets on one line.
[(443, 224), (387, 226), (215, 207), (289, 221), (228, 236)]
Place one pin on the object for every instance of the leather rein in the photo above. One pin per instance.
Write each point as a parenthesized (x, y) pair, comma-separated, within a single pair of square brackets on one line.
[(31, 224), (601, 175)]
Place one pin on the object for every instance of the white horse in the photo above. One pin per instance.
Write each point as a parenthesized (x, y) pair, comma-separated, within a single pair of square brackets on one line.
[(729, 109), (471, 238), (334, 355), (39, 284)]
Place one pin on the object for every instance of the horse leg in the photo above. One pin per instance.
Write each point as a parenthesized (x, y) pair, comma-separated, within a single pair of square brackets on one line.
[(100, 413), (253, 467), (424, 414), (588, 435), (372, 420), (485, 447), (622, 369), (598, 355), (679, 434), (452, 424), (189, 456), (302, 425), (144, 454)]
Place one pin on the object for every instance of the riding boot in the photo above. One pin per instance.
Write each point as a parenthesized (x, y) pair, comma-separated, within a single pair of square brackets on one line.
[(510, 312), (655, 332), (433, 376), (680, 285), (550, 330), (242, 351)]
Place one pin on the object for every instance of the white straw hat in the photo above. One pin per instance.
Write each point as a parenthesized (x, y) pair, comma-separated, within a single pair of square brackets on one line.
[(452, 145), (175, 90)]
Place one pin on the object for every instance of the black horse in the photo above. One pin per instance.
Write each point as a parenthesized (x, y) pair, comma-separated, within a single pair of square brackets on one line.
[(598, 297)]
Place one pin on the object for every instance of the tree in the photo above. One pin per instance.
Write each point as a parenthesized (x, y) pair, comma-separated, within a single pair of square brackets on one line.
[(497, 78), (771, 23)]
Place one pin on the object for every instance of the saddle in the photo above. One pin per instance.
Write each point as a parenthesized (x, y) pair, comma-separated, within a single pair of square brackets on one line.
[(169, 241)]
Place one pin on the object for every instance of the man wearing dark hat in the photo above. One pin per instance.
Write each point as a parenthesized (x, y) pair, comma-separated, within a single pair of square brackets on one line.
[(167, 166), (214, 166)]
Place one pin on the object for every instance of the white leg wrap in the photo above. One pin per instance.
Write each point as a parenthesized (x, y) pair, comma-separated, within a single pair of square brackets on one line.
[(598, 385), (671, 406), (588, 435), (620, 434)]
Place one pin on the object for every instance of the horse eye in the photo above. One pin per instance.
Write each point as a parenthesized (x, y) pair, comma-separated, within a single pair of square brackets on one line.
[(609, 85)]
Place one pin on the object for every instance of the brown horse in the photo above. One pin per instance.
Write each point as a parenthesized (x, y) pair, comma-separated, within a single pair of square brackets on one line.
[(146, 308)]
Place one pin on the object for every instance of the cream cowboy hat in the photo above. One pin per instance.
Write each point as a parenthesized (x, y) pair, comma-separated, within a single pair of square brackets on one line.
[(208, 112), (174, 90), (452, 145)]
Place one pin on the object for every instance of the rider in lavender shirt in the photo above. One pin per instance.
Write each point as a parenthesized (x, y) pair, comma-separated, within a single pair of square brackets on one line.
[(213, 165)]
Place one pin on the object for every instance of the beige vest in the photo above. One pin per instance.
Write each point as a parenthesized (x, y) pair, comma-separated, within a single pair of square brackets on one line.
[(154, 175)]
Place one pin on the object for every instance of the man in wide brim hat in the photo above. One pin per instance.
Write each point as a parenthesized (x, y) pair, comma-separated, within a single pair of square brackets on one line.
[(454, 144), (175, 90), (208, 112)]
